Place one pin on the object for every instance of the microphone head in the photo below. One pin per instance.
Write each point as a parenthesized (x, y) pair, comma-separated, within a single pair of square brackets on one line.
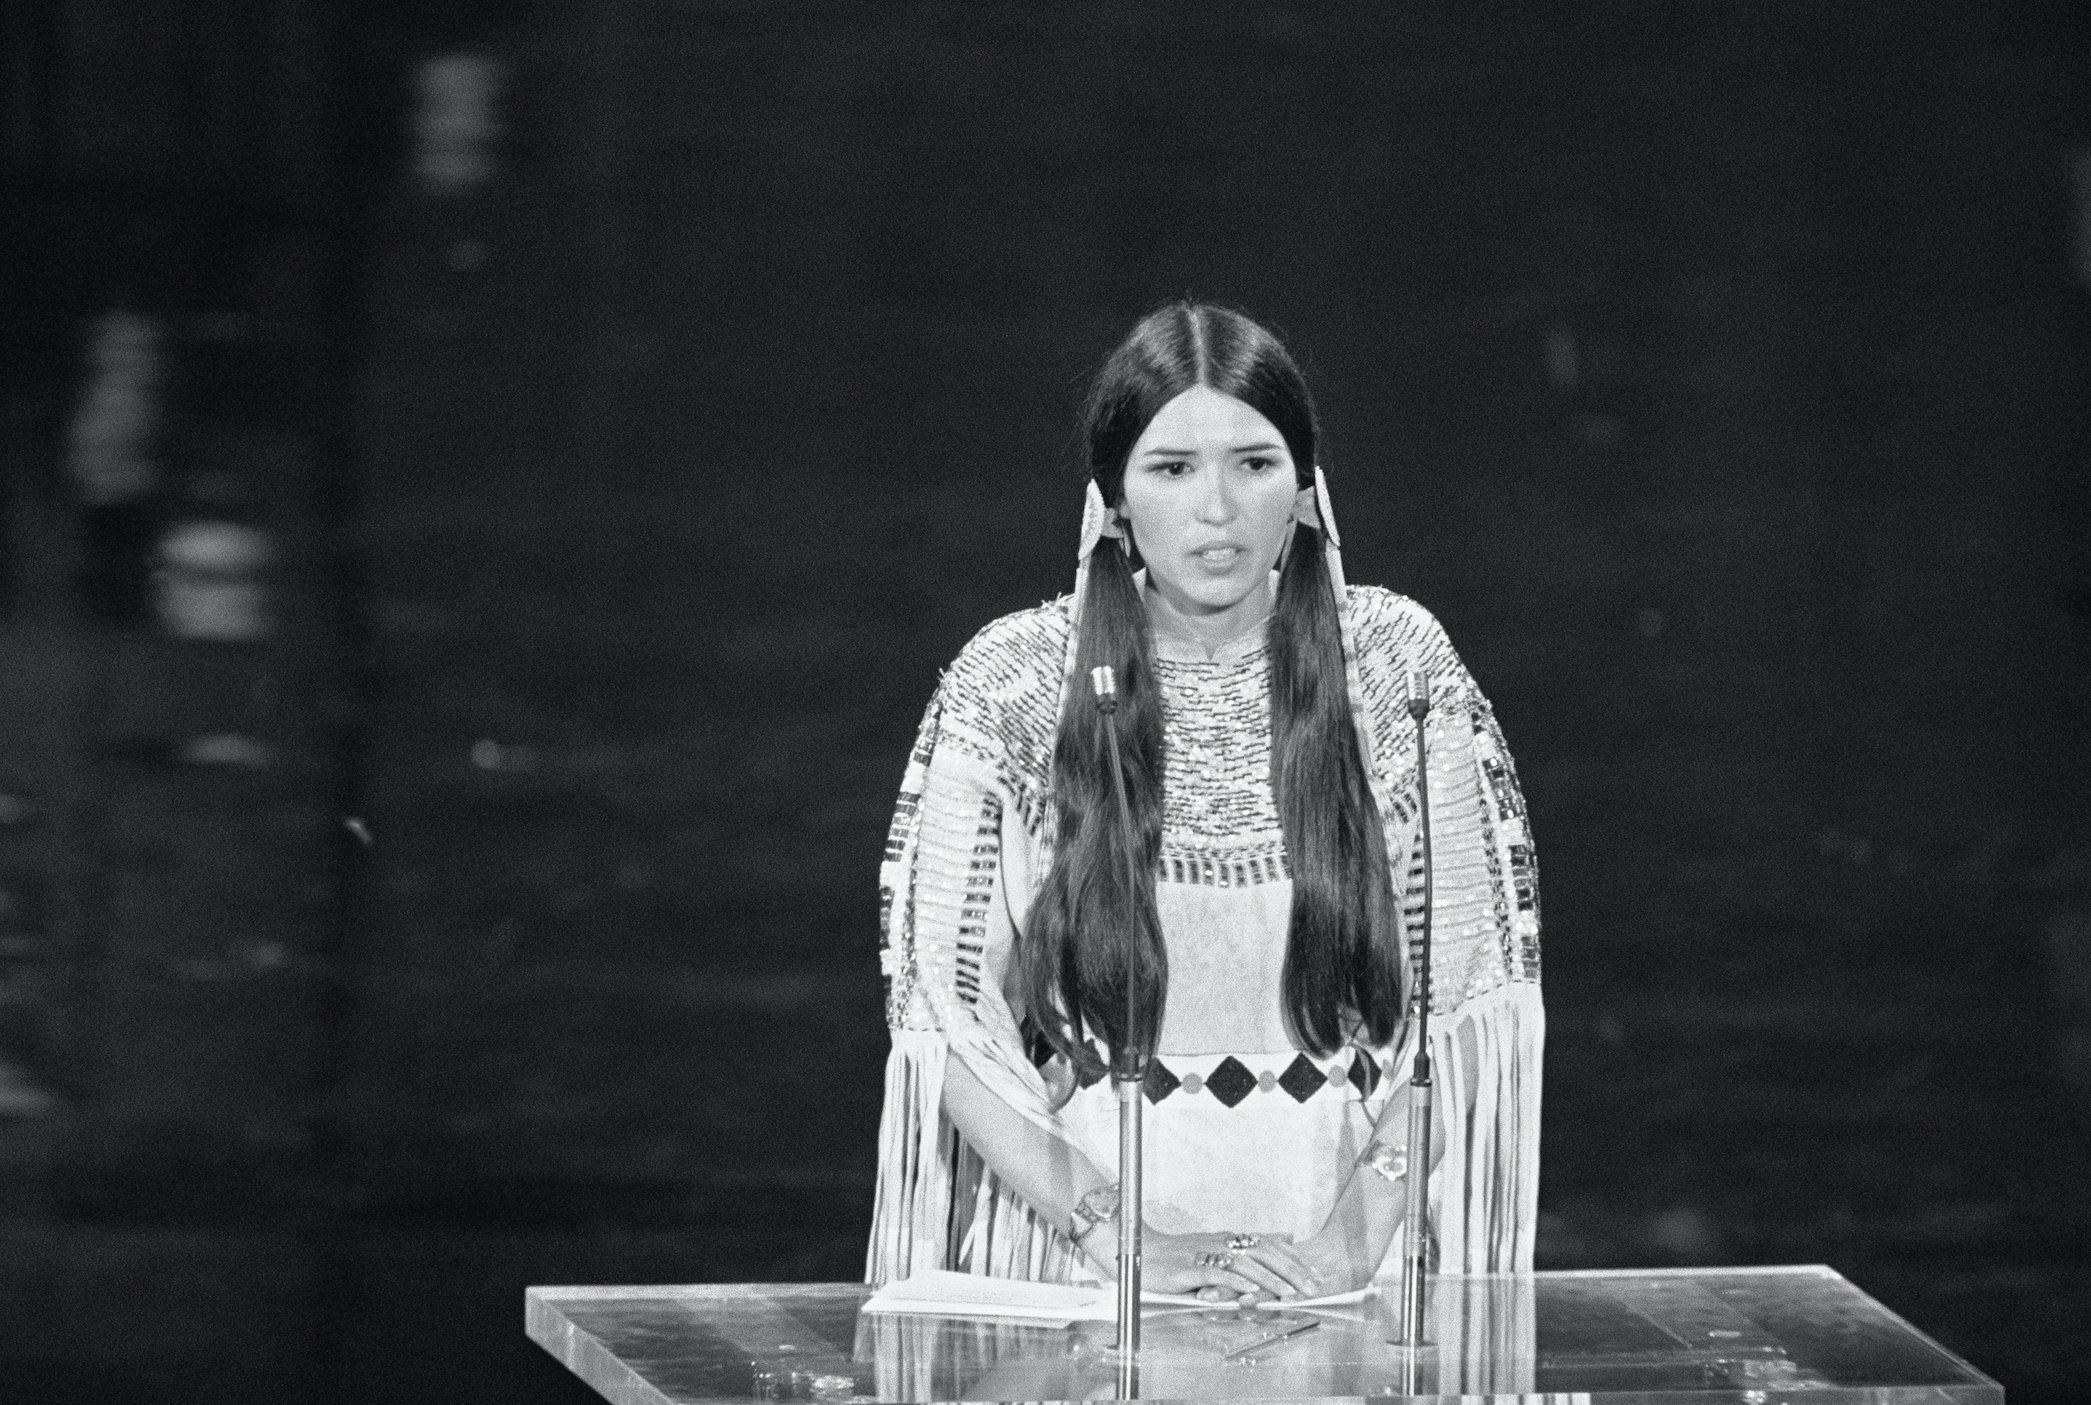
[(1103, 682), (1419, 692)]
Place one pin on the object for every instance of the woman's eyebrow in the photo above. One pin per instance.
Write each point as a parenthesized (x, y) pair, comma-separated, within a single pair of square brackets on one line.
[(1168, 453)]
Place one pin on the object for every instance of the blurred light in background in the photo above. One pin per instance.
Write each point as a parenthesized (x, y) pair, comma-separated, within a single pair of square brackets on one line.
[(456, 120), (209, 582)]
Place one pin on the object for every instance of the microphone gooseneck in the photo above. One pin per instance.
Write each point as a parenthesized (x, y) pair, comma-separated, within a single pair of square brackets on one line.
[(1131, 1060), (1128, 1062), (1415, 1256)]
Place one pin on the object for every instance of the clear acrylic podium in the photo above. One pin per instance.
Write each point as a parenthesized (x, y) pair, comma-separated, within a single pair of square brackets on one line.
[(1740, 1336)]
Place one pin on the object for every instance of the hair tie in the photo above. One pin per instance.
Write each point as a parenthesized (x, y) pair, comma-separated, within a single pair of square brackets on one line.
[(1322, 510), (1317, 513), (1098, 522)]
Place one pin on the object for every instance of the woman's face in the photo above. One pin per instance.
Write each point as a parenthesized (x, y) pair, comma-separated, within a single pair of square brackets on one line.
[(1209, 495)]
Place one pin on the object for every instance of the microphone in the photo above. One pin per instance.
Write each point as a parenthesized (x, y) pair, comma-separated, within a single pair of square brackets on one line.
[(1129, 1064), (1415, 1253)]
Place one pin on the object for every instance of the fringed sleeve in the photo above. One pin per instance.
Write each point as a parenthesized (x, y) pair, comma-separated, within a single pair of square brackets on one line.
[(1488, 1025), (963, 831), (914, 1191)]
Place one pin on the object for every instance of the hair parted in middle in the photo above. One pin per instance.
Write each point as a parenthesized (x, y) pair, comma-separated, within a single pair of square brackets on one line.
[(1345, 968)]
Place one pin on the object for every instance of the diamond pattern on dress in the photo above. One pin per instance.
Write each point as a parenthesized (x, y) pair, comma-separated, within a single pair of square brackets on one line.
[(1160, 1082), (1364, 1073), (1230, 1081), (1301, 1078)]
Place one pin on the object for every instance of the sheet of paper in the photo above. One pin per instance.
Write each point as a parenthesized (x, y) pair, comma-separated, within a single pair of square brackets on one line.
[(974, 1295), (949, 1294)]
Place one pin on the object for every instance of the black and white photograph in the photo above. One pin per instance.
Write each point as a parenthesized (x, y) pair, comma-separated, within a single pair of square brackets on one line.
[(898, 701)]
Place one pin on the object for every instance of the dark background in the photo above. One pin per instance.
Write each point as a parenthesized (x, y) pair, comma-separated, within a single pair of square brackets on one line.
[(1715, 372)]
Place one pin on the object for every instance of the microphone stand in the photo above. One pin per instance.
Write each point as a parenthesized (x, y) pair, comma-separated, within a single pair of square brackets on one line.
[(1415, 1258), (1128, 1071)]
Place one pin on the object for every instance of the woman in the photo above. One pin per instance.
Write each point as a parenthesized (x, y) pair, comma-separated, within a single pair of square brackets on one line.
[(1270, 772)]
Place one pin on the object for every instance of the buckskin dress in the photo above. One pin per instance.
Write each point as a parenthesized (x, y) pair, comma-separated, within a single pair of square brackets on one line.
[(1245, 1131)]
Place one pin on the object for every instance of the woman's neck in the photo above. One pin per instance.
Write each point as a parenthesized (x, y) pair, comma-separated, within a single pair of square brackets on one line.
[(1208, 631)]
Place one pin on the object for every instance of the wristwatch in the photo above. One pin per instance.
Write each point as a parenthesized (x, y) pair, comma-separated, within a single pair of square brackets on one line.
[(1093, 1209)]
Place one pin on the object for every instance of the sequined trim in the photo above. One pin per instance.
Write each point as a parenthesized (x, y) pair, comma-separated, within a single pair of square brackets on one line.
[(1224, 868)]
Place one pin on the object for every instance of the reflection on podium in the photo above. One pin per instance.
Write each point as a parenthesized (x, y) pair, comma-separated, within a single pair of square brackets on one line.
[(1734, 1336), (1484, 1345)]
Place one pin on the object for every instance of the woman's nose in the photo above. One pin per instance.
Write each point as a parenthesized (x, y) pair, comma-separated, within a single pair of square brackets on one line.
[(1215, 497)]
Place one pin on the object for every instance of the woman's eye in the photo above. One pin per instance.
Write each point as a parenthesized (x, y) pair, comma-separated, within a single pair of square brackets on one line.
[(1259, 464), (1172, 468)]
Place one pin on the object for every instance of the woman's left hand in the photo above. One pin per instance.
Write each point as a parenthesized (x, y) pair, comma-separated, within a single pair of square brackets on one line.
[(1221, 1267), (1338, 1259), (1328, 1258)]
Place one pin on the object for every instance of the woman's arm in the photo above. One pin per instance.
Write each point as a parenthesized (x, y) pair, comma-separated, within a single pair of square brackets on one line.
[(949, 934), (1049, 1172), (1484, 944), (1352, 1242)]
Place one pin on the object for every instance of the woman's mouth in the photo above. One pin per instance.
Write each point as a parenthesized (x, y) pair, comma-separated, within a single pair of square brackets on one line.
[(1218, 558)]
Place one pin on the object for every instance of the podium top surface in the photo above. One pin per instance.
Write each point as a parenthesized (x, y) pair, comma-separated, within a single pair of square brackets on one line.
[(1750, 1336)]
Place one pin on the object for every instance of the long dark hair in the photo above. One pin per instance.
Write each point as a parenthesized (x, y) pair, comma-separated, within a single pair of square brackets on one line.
[(1344, 962)]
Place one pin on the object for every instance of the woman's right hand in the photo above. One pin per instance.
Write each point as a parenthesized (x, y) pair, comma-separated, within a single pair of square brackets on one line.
[(1171, 1263)]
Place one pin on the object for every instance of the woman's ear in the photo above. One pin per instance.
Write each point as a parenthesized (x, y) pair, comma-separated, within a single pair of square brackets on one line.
[(1304, 508)]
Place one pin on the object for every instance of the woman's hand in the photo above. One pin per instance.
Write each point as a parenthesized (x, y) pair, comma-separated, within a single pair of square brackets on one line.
[(1269, 1267), (1342, 1260)]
